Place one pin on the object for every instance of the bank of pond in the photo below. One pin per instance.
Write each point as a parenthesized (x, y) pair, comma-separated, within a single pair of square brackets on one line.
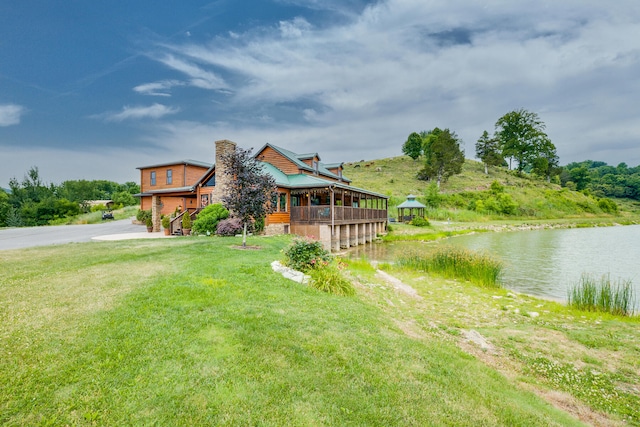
[(584, 266)]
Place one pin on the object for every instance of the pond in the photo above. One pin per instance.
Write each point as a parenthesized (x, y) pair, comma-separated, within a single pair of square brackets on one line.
[(544, 263)]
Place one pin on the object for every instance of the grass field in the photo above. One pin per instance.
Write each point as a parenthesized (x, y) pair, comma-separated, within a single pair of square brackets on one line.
[(193, 331)]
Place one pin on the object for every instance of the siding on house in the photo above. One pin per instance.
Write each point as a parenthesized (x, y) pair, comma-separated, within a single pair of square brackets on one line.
[(270, 155)]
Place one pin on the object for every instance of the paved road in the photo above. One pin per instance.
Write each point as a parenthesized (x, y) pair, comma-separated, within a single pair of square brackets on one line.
[(25, 237)]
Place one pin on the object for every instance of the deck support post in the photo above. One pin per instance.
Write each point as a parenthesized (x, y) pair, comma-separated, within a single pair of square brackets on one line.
[(353, 234), (344, 236)]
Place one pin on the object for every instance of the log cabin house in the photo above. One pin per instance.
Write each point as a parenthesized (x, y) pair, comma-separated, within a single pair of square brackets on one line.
[(314, 199)]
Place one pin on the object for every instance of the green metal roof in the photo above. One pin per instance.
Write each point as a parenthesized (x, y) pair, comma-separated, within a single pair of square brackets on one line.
[(301, 180), (411, 202)]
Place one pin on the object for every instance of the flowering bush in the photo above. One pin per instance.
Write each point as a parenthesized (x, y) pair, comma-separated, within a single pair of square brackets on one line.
[(229, 227), (305, 254)]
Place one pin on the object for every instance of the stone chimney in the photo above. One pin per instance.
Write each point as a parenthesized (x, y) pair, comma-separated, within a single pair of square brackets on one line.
[(223, 147)]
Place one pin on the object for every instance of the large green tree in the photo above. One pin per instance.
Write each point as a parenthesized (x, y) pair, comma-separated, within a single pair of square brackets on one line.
[(443, 154), (412, 147), (249, 189), (522, 138), (488, 151)]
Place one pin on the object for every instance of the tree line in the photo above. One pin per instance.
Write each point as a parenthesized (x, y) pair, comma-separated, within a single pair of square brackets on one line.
[(602, 180), (32, 202), (519, 142)]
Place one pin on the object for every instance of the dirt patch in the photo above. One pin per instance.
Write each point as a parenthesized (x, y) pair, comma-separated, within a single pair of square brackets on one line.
[(248, 247), (397, 284), (569, 404)]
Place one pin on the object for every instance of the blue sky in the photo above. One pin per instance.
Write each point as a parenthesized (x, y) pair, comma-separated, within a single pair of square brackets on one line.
[(92, 90)]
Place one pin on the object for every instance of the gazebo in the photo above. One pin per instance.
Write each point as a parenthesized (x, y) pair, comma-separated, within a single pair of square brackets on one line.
[(413, 207)]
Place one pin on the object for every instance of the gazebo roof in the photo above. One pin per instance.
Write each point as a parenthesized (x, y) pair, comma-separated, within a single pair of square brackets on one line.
[(410, 203)]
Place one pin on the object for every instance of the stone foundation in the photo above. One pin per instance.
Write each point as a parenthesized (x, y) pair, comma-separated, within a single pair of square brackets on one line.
[(275, 229)]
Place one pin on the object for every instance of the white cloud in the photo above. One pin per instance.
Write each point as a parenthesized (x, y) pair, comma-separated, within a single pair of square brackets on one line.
[(408, 65), (154, 111), (160, 88), (198, 77), (10, 114), (294, 28)]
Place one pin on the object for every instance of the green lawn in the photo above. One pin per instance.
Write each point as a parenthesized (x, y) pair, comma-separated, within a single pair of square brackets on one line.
[(192, 331)]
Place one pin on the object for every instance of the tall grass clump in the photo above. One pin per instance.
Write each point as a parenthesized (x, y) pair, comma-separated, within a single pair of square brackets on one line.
[(457, 263), (591, 294), (327, 277)]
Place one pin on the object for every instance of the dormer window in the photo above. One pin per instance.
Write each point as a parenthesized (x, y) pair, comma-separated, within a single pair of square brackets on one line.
[(315, 167)]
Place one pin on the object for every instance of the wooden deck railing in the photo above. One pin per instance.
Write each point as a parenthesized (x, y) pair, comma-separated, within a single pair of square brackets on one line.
[(342, 214)]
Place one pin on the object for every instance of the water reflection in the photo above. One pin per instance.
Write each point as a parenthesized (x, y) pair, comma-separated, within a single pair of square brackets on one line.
[(544, 263)]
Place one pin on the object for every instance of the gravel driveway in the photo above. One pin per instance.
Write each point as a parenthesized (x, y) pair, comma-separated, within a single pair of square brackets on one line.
[(25, 237)]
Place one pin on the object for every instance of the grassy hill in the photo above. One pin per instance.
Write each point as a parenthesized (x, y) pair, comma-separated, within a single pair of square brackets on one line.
[(529, 197)]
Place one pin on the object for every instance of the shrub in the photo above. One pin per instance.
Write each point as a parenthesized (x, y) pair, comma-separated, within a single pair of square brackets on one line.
[(142, 215), (432, 197), (229, 227), (208, 218), (419, 221), (258, 225), (305, 254), (166, 221), (328, 278), (496, 188), (608, 206), (506, 204), (186, 221)]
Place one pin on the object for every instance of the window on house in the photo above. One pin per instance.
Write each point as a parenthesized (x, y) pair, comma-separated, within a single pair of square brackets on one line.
[(274, 202), (315, 167), (339, 173), (153, 177), (211, 182), (169, 176), (283, 202)]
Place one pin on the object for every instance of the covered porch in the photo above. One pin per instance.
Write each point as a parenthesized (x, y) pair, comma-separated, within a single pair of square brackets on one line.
[(338, 216), (336, 205)]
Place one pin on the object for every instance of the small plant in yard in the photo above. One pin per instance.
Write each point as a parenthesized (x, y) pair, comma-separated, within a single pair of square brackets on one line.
[(305, 254), (186, 221), (327, 277), (604, 295), (166, 221)]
